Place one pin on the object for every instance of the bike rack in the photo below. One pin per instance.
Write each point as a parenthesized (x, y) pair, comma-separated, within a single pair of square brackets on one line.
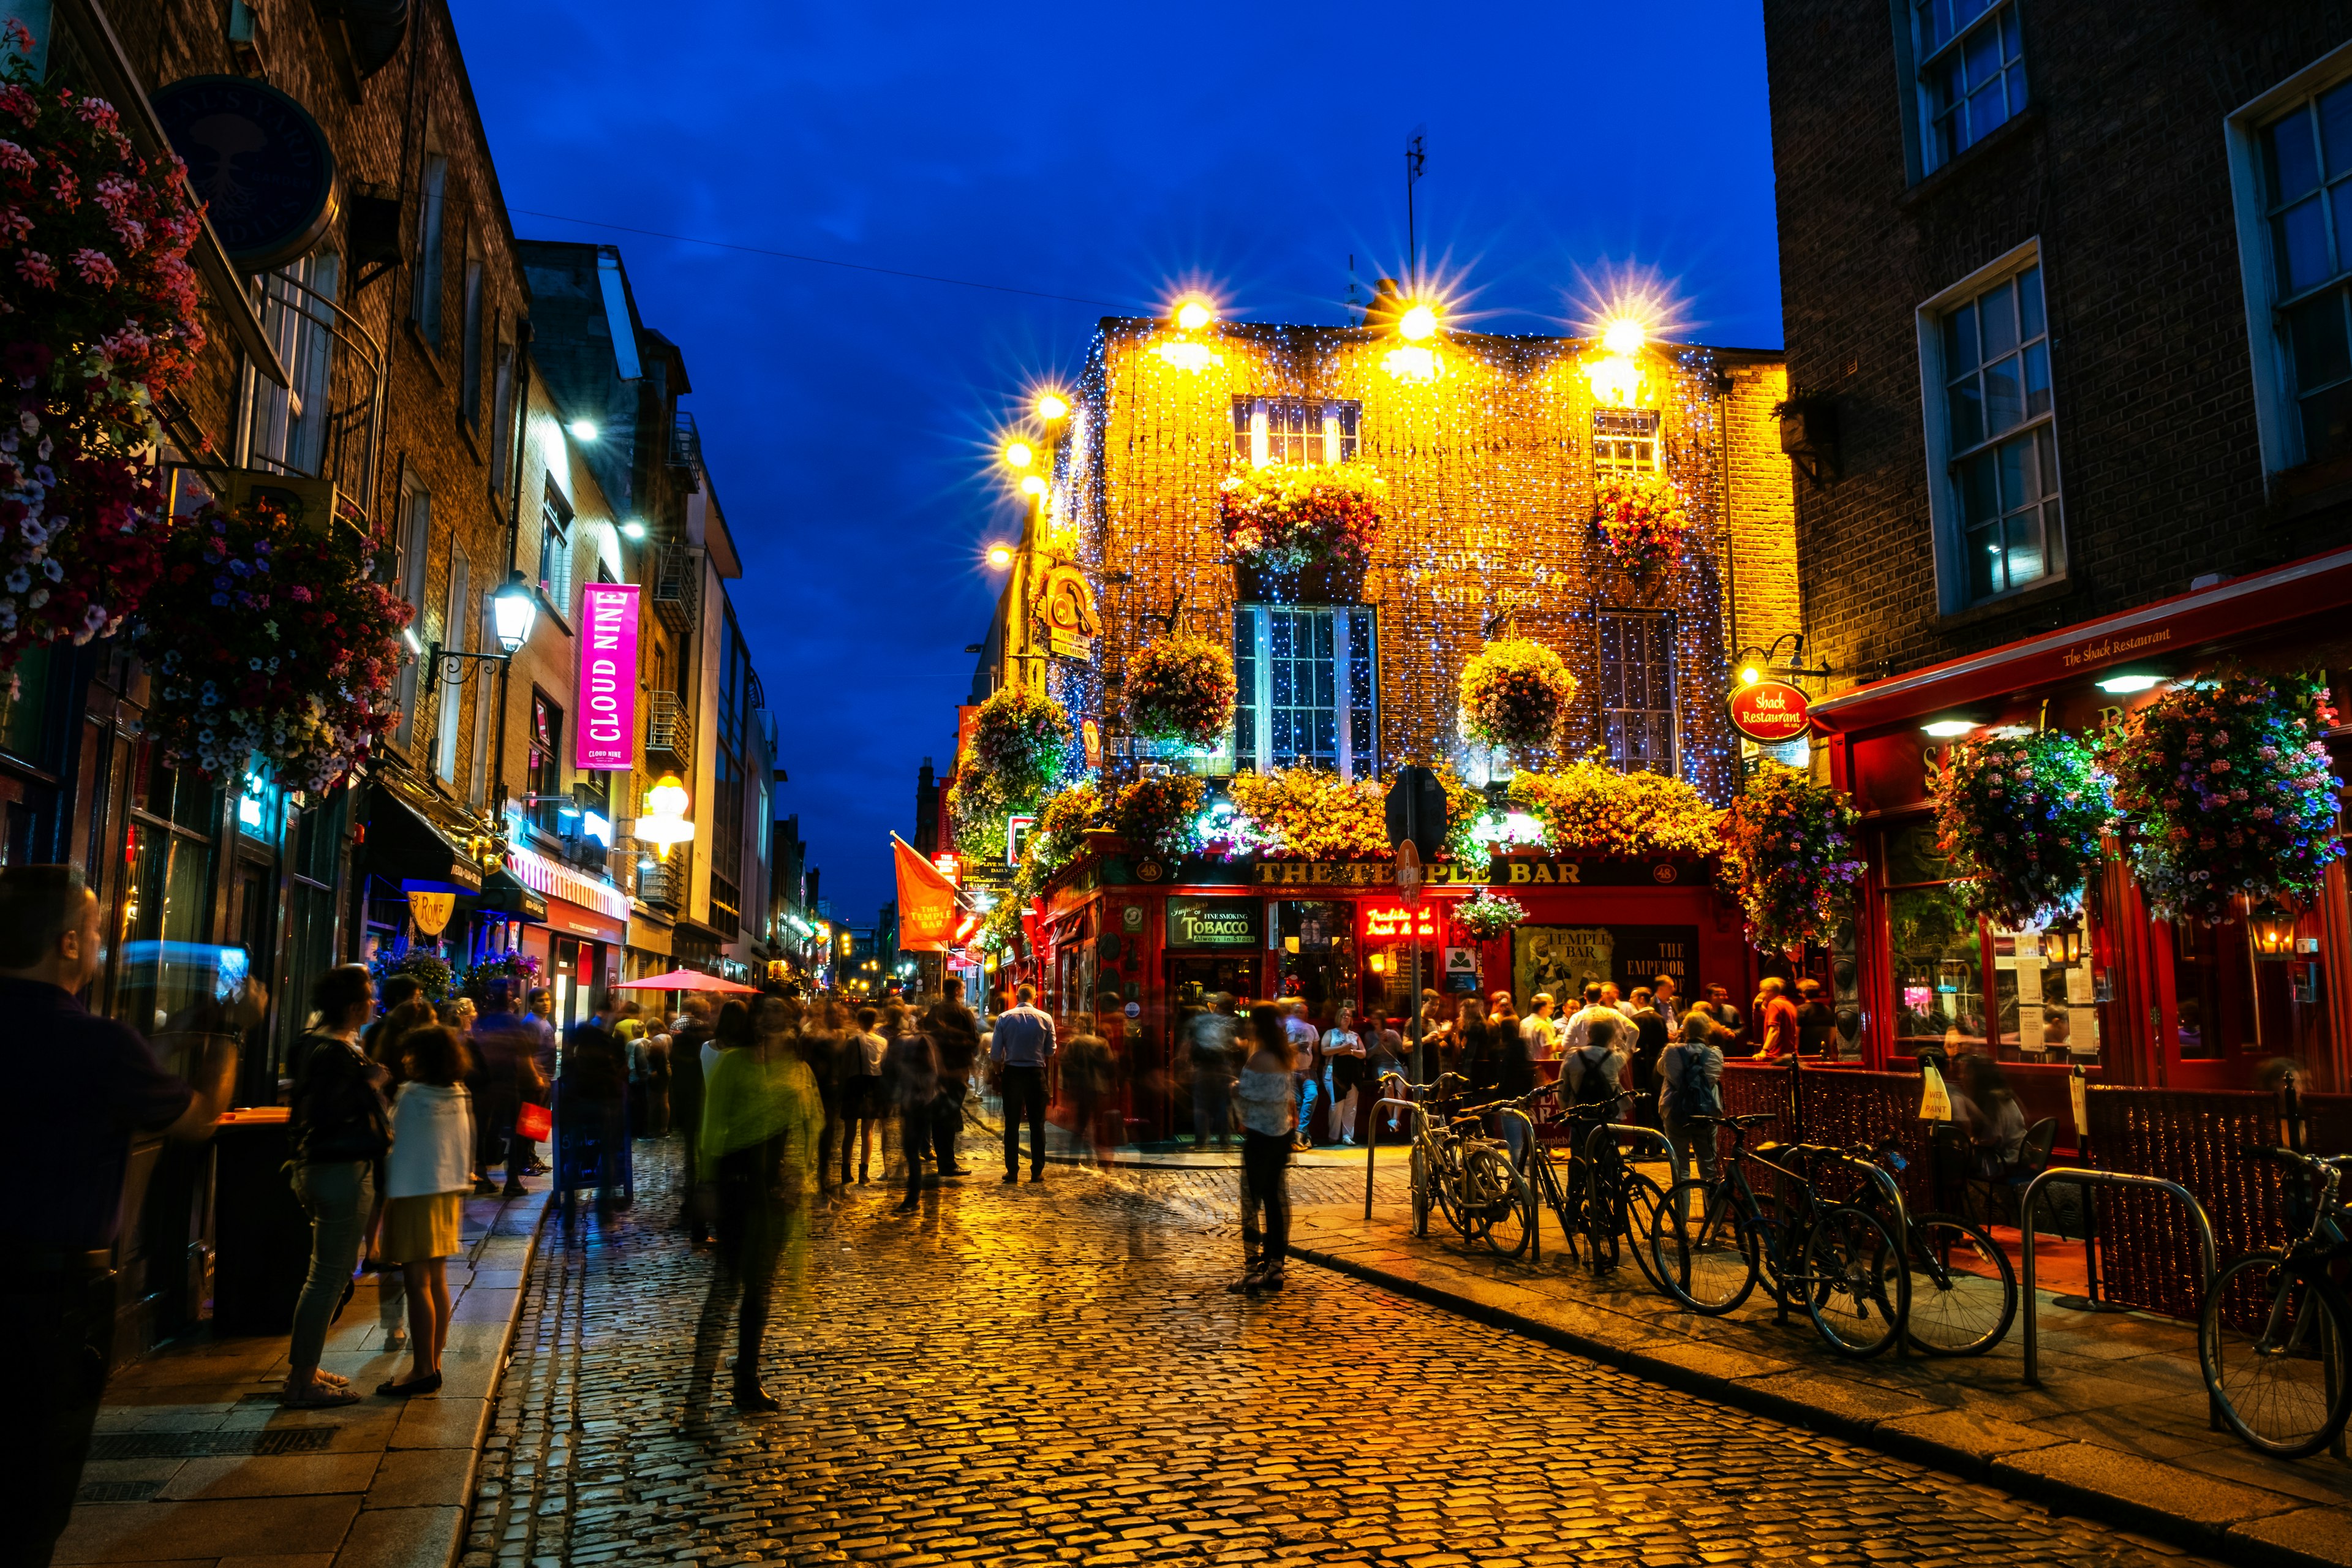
[(1372, 1144), (1592, 1164), (2105, 1179)]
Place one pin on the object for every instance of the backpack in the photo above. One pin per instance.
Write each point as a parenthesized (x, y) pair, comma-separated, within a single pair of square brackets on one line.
[(1592, 1087), (1699, 1095)]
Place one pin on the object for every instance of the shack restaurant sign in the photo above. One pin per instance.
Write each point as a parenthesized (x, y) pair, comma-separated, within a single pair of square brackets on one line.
[(608, 678), (1770, 713)]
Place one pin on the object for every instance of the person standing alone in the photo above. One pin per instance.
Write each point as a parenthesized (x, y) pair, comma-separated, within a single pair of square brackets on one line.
[(1022, 1048)]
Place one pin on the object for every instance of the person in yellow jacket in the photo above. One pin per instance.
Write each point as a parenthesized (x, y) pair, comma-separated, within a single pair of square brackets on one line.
[(762, 1118)]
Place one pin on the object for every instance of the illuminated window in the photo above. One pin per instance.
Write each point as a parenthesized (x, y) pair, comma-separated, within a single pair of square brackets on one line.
[(1971, 77), (555, 550), (1624, 442), (1295, 430), (1635, 672), (1309, 680)]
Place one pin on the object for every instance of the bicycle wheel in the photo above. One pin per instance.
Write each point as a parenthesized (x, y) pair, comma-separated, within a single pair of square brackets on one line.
[(1854, 1284), (1642, 1198), (1963, 1291), (1420, 1189), (2282, 1382), (1447, 1188), (1495, 1197), (1700, 1250)]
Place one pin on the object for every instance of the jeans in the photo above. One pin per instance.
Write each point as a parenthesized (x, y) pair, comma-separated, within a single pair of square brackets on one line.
[(749, 1225), (60, 1326), (1024, 1094), (1212, 1099), (947, 1124), (1697, 1146), (336, 1196), (1307, 1091), (915, 1127), (1265, 1165)]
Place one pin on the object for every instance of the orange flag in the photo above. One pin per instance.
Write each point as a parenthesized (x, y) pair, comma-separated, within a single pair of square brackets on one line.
[(927, 901)]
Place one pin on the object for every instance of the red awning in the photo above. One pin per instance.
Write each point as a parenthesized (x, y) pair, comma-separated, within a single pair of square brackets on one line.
[(2170, 635)]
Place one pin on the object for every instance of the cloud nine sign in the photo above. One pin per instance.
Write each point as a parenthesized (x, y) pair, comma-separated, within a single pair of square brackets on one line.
[(1770, 711), (607, 689)]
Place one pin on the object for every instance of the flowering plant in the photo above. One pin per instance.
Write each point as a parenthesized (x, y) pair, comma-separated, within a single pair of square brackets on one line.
[(1062, 823), (427, 968), (2020, 821), (1159, 812), (1591, 805), (1640, 523), (267, 636), (976, 807), (2226, 789), (1515, 691), (1289, 515), (98, 320), (1020, 739), (1308, 814), (1486, 914), (1789, 855), (519, 969), (1181, 688)]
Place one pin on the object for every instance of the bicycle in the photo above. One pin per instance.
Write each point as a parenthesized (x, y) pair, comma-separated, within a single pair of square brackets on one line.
[(1963, 1289), (1712, 1241), (1464, 1175), (2287, 1390), (1600, 1197)]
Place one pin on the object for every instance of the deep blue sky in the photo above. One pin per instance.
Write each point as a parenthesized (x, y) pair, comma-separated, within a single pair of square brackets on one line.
[(1111, 154)]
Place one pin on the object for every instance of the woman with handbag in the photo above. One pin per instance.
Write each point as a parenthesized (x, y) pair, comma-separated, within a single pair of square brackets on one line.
[(337, 1132)]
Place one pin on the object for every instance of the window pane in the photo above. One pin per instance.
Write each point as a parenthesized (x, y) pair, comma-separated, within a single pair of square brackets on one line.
[(1984, 562), (2288, 155), (2300, 236), (2026, 563), (1997, 316), (2048, 446), (2037, 380), (1983, 51), (1980, 497), (2017, 87), (2327, 422), (2004, 396), (2336, 128), (1986, 109), (2030, 324), (1967, 417), (1938, 963), (1960, 340), (2316, 330), (2019, 477), (2011, 47)]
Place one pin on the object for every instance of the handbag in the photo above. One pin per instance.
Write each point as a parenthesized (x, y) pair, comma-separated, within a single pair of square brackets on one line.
[(532, 1122)]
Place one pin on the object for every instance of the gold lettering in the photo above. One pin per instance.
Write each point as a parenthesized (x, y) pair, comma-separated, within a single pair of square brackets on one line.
[(1543, 871), (1568, 872), (1519, 872)]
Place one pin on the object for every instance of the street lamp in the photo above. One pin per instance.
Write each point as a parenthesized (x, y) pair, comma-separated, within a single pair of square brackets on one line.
[(582, 429), (664, 822), (1000, 555), (514, 608)]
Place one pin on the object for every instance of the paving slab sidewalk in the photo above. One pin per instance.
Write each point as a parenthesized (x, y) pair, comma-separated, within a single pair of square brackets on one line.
[(195, 1463), (2115, 1430)]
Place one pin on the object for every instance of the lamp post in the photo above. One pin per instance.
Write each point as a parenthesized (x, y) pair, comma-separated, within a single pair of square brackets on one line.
[(514, 610)]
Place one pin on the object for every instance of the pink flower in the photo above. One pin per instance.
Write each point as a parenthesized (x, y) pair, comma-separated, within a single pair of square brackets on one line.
[(66, 191), (38, 270), (15, 100), (15, 159), (99, 113), (95, 267)]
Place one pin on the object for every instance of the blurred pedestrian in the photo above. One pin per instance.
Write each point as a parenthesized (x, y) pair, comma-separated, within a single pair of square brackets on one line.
[(862, 1099), (425, 1180), (1816, 1025), (539, 1023), (1776, 1018), (592, 1098), (337, 1130), (1209, 1048), (382, 1040), (1386, 1069), (1306, 1062), (911, 1066), (1650, 1034), (1086, 1073), (393, 993), (761, 1122), (506, 1077), (688, 1073), (89, 1084), (1727, 1013), (1021, 1048), (955, 1036), (1267, 1093), (1690, 1084), (1343, 1053)]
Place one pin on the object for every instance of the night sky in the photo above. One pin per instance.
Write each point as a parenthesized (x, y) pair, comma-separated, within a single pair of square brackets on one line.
[(1114, 156)]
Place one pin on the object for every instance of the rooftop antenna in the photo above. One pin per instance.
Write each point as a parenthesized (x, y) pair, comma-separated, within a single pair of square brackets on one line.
[(1415, 155)]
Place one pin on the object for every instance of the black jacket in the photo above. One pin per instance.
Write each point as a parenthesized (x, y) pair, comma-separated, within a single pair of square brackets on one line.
[(338, 1114)]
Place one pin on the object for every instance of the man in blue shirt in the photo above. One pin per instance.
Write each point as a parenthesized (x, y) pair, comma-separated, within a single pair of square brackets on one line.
[(1020, 1048)]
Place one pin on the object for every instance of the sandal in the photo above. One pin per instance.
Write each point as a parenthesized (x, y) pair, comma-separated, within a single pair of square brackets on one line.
[(318, 1397)]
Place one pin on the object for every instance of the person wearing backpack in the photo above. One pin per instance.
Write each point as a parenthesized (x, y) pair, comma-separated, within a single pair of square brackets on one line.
[(1594, 1070), (1690, 1083)]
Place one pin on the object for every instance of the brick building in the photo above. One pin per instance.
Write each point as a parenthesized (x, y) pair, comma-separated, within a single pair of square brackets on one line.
[(2066, 324)]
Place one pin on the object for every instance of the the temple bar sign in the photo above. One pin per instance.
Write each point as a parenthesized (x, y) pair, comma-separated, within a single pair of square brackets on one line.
[(1516, 871)]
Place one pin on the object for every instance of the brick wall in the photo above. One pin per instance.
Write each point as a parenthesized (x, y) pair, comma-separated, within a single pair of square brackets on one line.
[(2119, 170)]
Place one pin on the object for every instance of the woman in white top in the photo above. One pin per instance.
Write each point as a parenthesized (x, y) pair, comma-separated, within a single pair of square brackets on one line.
[(1343, 1070), (425, 1179), (1266, 1094)]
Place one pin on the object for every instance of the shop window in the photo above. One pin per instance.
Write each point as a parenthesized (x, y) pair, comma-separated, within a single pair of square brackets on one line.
[(1624, 443), (2290, 176), (1295, 430), (2233, 1001), (1970, 78), (23, 716), (1635, 663), (1308, 678), (165, 964), (1992, 439)]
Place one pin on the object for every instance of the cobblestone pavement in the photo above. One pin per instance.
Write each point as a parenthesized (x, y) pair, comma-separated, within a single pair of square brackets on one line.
[(1055, 1374)]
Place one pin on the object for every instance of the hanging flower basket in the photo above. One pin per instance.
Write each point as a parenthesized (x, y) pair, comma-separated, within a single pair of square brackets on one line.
[(1181, 688), (98, 320), (1021, 740), (2227, 793), (267, 637), (1591, 806), (1159, 813), (1789, 857), (1640, 524), (2020, 820), (427, 968), (1062, 825), (1515, 693), (1486, 914), (1290, 515), (520, 971)]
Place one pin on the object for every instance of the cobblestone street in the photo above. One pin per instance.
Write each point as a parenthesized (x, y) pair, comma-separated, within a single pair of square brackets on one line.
[(1042, 1374)]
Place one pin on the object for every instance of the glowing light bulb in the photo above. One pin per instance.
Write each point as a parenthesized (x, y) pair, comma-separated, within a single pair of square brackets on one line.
[(1623, 336), (1193, 315), (1017, 454), (1417, 323), (1052, 407), (1751, 676), (1185, 357), (999, 556), (1944, 729), (1033, 486), (582, 429)]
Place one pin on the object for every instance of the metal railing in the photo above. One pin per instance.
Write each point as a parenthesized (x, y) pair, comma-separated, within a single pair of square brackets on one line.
[(677, 587), (670, 727)]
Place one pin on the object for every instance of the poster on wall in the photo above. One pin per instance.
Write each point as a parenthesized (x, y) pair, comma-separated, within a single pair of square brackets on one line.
[(1562, 960), (1213, 922)]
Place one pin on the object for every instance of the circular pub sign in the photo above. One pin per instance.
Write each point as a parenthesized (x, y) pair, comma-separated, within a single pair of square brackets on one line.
[(1772, 712), (257, 160)]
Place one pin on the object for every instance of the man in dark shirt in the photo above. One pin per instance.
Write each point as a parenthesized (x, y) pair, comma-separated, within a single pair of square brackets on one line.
[(91, 1084), (955, 1034), (592, 1096), (1816, 1025)]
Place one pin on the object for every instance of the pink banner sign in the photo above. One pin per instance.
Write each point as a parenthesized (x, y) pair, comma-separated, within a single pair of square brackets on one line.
[(607, 699)]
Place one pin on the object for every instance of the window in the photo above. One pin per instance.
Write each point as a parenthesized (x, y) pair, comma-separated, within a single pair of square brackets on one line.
[(286, 431), (555, 551), (1308, 678), (1624, 442), (470, 370), (727, 805), (456, 627), (1634, 661), (1993, 443), (414, 537), (1295, 430), (1971, 75), (543, 775), (501, 411), (2306, 175), (425, 305)]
